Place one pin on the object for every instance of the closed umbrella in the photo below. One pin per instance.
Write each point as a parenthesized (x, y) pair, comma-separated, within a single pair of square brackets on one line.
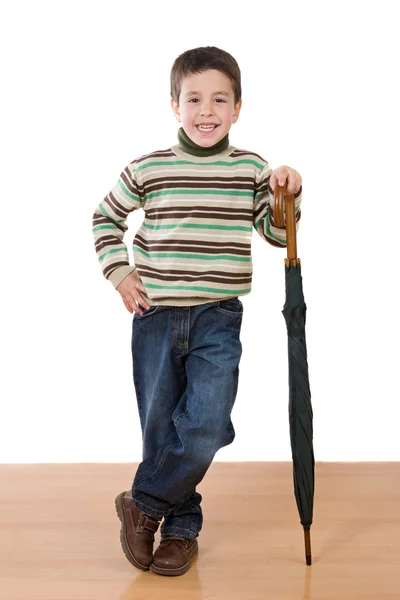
[(300, 409)]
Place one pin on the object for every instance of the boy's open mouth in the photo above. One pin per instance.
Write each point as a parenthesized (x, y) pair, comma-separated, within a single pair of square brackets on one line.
[(206, 128)]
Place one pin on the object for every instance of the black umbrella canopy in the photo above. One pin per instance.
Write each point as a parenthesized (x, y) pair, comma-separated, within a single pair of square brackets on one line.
[(300, 409)]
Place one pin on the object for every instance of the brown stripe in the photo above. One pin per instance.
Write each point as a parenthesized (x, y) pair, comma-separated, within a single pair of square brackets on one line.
[(150, 188), (104, 243), (105, 238), (200, 178), (263, 187), (259, 211), (116, 206), (191, 249), (245, 153), (131, 184), (205, 209), (202, 278), (157, 154), (111, 268), (97, 217), (177, 272), (200, 215), (275, 243)]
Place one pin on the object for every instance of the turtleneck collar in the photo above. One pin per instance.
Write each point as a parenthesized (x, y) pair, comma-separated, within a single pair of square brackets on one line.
[(188, 146)]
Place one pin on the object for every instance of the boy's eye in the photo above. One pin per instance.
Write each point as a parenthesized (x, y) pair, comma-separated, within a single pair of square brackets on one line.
[(220, 100), (193, 100)]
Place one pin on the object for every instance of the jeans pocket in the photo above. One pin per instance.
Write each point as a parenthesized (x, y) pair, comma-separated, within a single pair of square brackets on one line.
[(146, 312), (231, 306)]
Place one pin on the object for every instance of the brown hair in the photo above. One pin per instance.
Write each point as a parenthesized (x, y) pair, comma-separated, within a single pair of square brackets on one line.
[(201, 59)]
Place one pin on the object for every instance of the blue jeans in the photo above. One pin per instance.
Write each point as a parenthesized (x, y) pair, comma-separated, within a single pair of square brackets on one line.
[(185, 369)]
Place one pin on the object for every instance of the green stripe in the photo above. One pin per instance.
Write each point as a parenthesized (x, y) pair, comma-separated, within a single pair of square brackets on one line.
[(104, 227), (245, 161), (111, 251), (268, 230), (186, 255), (264, 193), (127, 192), (198, 192), (220, 163), (195, 226), (197, 288), (163, 164)]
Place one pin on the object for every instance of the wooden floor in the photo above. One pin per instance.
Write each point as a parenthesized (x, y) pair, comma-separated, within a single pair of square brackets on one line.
[(59, 535)]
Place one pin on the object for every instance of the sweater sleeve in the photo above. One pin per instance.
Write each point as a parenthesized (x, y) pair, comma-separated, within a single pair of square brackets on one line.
[(263, 219), (109, 225)]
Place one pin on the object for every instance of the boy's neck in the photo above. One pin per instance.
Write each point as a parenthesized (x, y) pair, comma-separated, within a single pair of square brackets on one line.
[(188, 146)]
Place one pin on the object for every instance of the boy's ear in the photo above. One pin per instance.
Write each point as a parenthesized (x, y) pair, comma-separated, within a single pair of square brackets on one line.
[(236, 112), (175, 110)]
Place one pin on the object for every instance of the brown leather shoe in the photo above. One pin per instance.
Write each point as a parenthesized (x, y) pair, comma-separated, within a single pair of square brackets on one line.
[(173, 555), (137, 532)]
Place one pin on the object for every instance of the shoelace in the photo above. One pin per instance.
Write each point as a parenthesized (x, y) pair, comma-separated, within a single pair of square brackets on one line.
[(169, 539)]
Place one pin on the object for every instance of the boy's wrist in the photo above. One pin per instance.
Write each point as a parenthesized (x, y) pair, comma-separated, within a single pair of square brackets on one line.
[(119, 274)]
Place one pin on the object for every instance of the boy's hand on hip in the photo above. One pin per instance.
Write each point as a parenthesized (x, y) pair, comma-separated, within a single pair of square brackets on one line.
[(286, 175), (130, 289)]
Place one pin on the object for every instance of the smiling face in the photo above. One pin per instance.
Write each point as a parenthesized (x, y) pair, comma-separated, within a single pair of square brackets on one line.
[(206, 107)]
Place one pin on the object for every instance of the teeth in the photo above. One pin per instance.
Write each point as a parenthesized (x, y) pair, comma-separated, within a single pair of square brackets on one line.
[(206, 127)]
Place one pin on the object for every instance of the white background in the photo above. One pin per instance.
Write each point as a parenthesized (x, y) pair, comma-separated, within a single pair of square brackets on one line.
[(85, 91)]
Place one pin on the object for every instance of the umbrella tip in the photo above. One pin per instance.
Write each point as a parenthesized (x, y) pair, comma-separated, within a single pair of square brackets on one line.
[(307, 541)]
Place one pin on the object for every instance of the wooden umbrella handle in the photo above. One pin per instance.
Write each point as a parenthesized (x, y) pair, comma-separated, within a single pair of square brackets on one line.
[(284, 206), (279, 197)]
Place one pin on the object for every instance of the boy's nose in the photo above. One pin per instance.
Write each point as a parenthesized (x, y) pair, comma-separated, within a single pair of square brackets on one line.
[(206, 109)]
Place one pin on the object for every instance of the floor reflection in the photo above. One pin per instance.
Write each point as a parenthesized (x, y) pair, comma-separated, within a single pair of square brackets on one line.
[(307, 583), (148, 586)]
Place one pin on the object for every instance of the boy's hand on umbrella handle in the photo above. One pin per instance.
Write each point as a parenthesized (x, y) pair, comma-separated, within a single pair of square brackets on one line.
[(286, 176), (130, 289)]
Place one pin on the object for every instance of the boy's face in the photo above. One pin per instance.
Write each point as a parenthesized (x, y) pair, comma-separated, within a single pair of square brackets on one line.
[(206, 107)]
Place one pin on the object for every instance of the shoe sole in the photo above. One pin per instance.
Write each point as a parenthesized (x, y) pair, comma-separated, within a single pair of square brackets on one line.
[(119, 507), (175, 572)]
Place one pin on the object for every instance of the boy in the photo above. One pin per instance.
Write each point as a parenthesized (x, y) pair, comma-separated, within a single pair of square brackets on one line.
[(192, 259)]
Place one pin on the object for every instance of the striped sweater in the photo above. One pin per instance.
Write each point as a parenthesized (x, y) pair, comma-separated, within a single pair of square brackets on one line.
[(194, 245)]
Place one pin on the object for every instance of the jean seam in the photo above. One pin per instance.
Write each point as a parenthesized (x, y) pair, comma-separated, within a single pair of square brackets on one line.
[(148, 510), (235, 323), (229, 312), (149, 314), (179, 530), (179, 417), (138, 395), (159, 466)]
